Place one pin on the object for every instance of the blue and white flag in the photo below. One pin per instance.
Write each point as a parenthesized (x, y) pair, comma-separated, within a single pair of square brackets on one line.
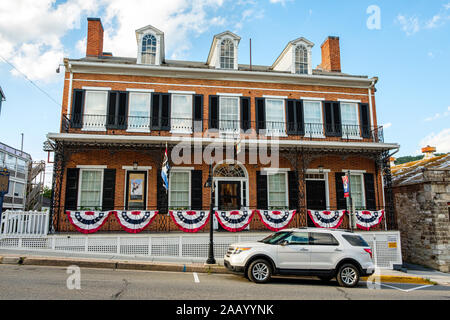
[(165, 171)]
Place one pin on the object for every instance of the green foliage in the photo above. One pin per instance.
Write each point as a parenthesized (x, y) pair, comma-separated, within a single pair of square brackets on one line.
[(407, 159), (47, 193)]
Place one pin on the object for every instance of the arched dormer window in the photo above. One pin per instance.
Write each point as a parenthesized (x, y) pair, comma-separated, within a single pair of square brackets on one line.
[(149, 49), (301, 60), (227, 54)]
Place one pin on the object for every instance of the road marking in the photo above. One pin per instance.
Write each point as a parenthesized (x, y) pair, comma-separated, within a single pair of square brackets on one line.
[(407, 290), (196, 279)]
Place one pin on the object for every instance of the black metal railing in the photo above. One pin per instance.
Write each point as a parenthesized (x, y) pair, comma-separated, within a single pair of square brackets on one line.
[(310, 131)]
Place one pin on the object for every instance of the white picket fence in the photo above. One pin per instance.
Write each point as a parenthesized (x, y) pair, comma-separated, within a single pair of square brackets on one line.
[(24, 224)]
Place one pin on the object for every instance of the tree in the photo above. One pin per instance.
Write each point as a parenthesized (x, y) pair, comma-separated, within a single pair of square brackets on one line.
[(47, 193)]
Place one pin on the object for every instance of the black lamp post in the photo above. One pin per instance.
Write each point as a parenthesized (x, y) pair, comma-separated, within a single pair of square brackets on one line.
[(209, 184)]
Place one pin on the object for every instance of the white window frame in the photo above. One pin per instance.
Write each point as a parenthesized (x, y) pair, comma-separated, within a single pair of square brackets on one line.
[(270, 132), (233, 65), (361, 174), (179, 170), (325, 178), (80, 180), (144, 129), (234, 131), (321, 118), (181, 94), (357, 124), (304, 47), (147, 53), (272, 173), (100, 127)]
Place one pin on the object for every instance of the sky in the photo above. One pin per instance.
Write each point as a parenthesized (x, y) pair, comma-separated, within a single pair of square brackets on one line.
[(403, 43)]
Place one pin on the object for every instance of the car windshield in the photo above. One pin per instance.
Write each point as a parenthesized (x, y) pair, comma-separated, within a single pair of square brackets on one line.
[(275, 237)]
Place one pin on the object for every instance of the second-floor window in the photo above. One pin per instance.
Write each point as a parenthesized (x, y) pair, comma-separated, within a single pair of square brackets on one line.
[(350, 122), (229, 114), (139, 111), (275, 117), (313, 118), (95, 110), (181, 113)]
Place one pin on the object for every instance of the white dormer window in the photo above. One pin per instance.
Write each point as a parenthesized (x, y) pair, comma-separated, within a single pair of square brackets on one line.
[(148, 49), (227, 54), (301, 60)]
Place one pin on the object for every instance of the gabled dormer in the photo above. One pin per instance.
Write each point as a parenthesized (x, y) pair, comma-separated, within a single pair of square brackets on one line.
[(224, 51), (150, 43), (295, 58)]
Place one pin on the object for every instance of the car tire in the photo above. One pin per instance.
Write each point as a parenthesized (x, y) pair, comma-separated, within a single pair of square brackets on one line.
[(326, 278), (348, 275), (259, 271)]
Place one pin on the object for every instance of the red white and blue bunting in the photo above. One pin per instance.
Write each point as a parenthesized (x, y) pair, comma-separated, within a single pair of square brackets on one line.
[(276, 220), (327, 219), (87, 221), (234, 221), (135, 221), (190, 221), (365, 220)]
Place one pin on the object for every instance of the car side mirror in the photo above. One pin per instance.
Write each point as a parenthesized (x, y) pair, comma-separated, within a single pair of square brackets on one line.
[(284, 243)]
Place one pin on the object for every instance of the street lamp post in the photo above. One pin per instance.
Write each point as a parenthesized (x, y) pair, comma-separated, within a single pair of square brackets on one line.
[(209, 184)]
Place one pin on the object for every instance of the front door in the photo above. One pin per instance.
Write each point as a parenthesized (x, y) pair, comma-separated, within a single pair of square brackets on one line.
[(315, 197), (229, 195), (136, 190)]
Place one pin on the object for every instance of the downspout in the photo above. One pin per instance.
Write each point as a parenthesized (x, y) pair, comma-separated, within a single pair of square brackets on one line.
[(69, 99), (372, 85)]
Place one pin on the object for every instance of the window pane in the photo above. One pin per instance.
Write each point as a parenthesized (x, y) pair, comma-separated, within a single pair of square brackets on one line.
[(19, 190), (275, 123), (227, 54), (21, 165), (298, 238), (277, 191), (139, 111), (355, 240), (181, 113), (357, 191), (301, 60), (323, 239), (95, 109), (179, 190), (350, 121), (229, 114), (10, 162), (90, 189), (313, 117), (149, 49)]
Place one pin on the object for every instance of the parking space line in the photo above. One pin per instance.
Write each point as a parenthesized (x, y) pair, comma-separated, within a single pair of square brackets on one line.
[(196, 279)]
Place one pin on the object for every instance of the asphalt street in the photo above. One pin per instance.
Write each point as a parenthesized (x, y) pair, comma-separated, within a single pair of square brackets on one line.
[(36, 282)]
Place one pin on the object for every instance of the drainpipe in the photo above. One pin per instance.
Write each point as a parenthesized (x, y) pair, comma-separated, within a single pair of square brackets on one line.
[(372, 85), (69, 99)]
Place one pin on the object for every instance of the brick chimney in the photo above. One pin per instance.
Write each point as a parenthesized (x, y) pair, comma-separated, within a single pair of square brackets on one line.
[(331, 55), (94, 45)]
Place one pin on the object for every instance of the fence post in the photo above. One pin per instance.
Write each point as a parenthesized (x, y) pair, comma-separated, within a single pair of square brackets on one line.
[(118, 245), (180, 245), (149, 245), (86, 244)]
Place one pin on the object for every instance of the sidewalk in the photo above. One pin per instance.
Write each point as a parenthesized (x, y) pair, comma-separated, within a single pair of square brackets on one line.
[(414, 274)]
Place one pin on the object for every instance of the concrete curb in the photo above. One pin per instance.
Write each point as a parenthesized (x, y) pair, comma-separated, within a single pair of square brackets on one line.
[(153, 266)]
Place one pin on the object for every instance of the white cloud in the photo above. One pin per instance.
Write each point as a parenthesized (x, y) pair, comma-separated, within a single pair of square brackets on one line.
[(410, 25), (282, 2), (440, 140), (387, 125), (439, 115)]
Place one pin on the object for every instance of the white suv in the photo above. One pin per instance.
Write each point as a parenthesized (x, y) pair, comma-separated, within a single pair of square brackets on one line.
[(307, 251)]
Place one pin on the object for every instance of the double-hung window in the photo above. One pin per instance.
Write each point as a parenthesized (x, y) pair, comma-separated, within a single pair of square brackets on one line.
[(90, 192), (350, 123), (277, 191), (139, 111), (275, 117), (313, 118), (94, 118), (357, 190), (181, 117), (229, 115), (179, 190)]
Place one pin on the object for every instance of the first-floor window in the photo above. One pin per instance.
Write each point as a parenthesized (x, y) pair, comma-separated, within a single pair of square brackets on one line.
[(275, 117), (19, 190), (179, 186), (357, 189), (90, 196), (229, 114), (277, 189), (95, 106), (181, 118), (139, 111)]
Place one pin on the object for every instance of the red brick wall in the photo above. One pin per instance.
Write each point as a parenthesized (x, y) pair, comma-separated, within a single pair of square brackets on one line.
[(331, 55), (94, 45)]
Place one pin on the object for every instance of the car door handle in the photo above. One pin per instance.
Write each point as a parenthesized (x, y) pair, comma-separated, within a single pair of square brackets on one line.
[(304, 250), (337, 249)]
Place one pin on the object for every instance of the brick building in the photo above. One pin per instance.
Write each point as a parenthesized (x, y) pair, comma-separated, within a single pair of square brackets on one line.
[(298, 129)]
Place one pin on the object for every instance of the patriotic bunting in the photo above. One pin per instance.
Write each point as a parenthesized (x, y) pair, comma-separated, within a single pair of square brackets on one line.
[(234, 221), (276, 220), (190, 221), (327, 219), (87, 221), (135, 221), (365, 220)]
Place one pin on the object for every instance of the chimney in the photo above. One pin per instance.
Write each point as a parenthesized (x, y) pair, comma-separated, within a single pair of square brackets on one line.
[(331, 55), (94, 37), (428, 152)]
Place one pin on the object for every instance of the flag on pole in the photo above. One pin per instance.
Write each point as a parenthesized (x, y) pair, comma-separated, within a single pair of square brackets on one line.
[(346, 186), (165, 171)]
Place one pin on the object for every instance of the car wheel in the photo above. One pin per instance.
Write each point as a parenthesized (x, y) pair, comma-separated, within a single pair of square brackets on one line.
[(325, 278), (348, 276), (259, 271)]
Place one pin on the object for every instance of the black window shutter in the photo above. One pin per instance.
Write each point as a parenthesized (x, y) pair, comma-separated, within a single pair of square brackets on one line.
[(293, 189), (196, 190), (77, 108), (341, 202), (111, 119), (165, 111), (155, 124), (197, 113), (122, 110), (365, 120), (328, 119), (369, 188), (261, 191), (109, 183), (337, 119), (72, 189), (213, 112), (300, 117), (291, 117), (161, 194), (333, 124), (260, 113), (245, 114)]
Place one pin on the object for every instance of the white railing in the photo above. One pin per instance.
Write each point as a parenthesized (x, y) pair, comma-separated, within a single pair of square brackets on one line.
[(24, 224)]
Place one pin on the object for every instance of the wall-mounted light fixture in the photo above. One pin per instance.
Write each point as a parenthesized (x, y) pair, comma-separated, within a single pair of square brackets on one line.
[(135, 165), (320, 169)]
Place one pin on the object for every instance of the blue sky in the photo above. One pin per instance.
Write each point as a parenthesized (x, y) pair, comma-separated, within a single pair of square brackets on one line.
[(410, 53)]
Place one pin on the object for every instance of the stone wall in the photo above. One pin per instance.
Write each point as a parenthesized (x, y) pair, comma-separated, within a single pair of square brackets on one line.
[(423, 219)]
